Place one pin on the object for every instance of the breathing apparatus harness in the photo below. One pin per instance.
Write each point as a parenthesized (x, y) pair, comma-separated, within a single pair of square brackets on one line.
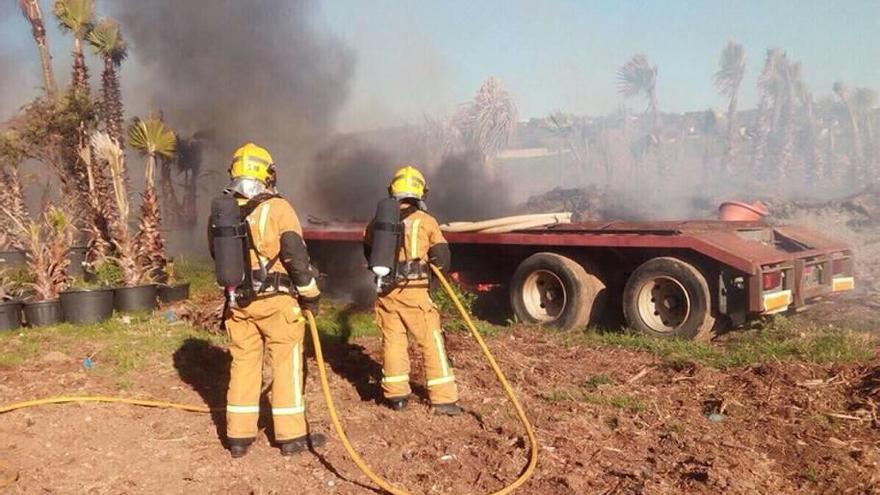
[(388, 240), (231, 245)]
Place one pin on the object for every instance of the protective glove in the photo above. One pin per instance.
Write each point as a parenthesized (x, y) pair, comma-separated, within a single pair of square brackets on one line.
[(310, 304)]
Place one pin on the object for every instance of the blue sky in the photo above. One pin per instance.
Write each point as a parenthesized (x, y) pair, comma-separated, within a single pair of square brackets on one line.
[(417, 57)]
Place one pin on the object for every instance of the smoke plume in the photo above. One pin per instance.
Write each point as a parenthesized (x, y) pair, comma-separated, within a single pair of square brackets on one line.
[(256, 71)]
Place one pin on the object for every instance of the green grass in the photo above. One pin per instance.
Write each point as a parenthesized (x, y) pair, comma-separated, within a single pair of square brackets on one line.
[(116, 347), (778, 339), (338, 322), (597, 380), (199, 274)]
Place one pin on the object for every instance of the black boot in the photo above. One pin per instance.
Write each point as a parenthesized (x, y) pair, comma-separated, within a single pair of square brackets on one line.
[(451, 409), (297, 445), (398, 403), (238, 447)]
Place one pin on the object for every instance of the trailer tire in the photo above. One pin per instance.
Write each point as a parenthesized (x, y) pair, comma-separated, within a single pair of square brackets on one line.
[(668, 297), (550, 289)]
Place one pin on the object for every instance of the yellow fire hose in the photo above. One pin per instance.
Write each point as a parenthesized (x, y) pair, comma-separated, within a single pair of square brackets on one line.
[(331, 408)]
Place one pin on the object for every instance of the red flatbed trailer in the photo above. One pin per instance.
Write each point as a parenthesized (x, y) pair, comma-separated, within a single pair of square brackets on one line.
[(686, 278)]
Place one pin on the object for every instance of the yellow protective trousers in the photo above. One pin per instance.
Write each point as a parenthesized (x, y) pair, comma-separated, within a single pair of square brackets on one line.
[(276, 321), (411, 311)]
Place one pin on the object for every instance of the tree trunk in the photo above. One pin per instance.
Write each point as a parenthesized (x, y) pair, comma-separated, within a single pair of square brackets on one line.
[(730, 152), (788, 123), (112, 101), (149, 237), (80, 71), (172, 209), (856, 164), (761, 134), (48, 73)]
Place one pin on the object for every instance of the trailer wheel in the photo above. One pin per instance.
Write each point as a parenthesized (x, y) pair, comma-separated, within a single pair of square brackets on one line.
[(554, 290), (667, 297)]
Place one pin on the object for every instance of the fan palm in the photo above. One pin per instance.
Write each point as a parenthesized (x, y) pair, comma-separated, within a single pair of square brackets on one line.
[(34, 14), (75, 17), (638, 77), (107, 41), (152, 138), (728, 80)]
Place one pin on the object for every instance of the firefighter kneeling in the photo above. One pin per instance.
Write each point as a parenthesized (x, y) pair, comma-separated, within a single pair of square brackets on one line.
[(399, 244), (262, 262)]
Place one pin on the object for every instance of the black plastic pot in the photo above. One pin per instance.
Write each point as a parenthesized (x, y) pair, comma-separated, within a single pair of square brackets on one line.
[(43, 313), (10, 315), (12, 259), (77, 257), (140, 298), (174, 293), (87, 305)]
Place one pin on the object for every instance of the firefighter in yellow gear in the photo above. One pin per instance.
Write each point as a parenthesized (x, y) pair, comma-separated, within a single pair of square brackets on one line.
[(271, 316), (405, 307)]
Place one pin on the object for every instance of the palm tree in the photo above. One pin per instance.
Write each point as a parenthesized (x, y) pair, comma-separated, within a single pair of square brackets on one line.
[(768, 84), (488, 122), (128, 251), (34, 14), (638, 77), (152, 138), (842, 92), (75, 16), (107, 41), (728, 80)]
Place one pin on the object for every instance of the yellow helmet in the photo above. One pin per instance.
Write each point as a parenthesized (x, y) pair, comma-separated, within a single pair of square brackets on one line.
[(408, 182), (253, 162)]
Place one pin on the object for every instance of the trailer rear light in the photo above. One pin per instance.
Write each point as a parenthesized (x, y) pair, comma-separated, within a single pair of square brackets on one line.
[(772, 280)]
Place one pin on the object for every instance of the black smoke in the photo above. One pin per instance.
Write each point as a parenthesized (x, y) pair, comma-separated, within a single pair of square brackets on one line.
[(258, 70)]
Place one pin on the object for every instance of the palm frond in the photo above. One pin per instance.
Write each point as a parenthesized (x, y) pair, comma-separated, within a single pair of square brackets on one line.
[(636, 76), (151, 136), (109, 151), (106, 39), (732, 68), (771, 76), (75, 16)]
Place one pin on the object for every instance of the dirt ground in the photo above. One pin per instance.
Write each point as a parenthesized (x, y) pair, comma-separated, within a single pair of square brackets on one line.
[(608, 421)]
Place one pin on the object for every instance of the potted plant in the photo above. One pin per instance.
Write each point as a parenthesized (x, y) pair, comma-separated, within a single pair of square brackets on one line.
[(152, 139), (172, 290), (137, 293), (92, 301), (47, 243), (10, 305)]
